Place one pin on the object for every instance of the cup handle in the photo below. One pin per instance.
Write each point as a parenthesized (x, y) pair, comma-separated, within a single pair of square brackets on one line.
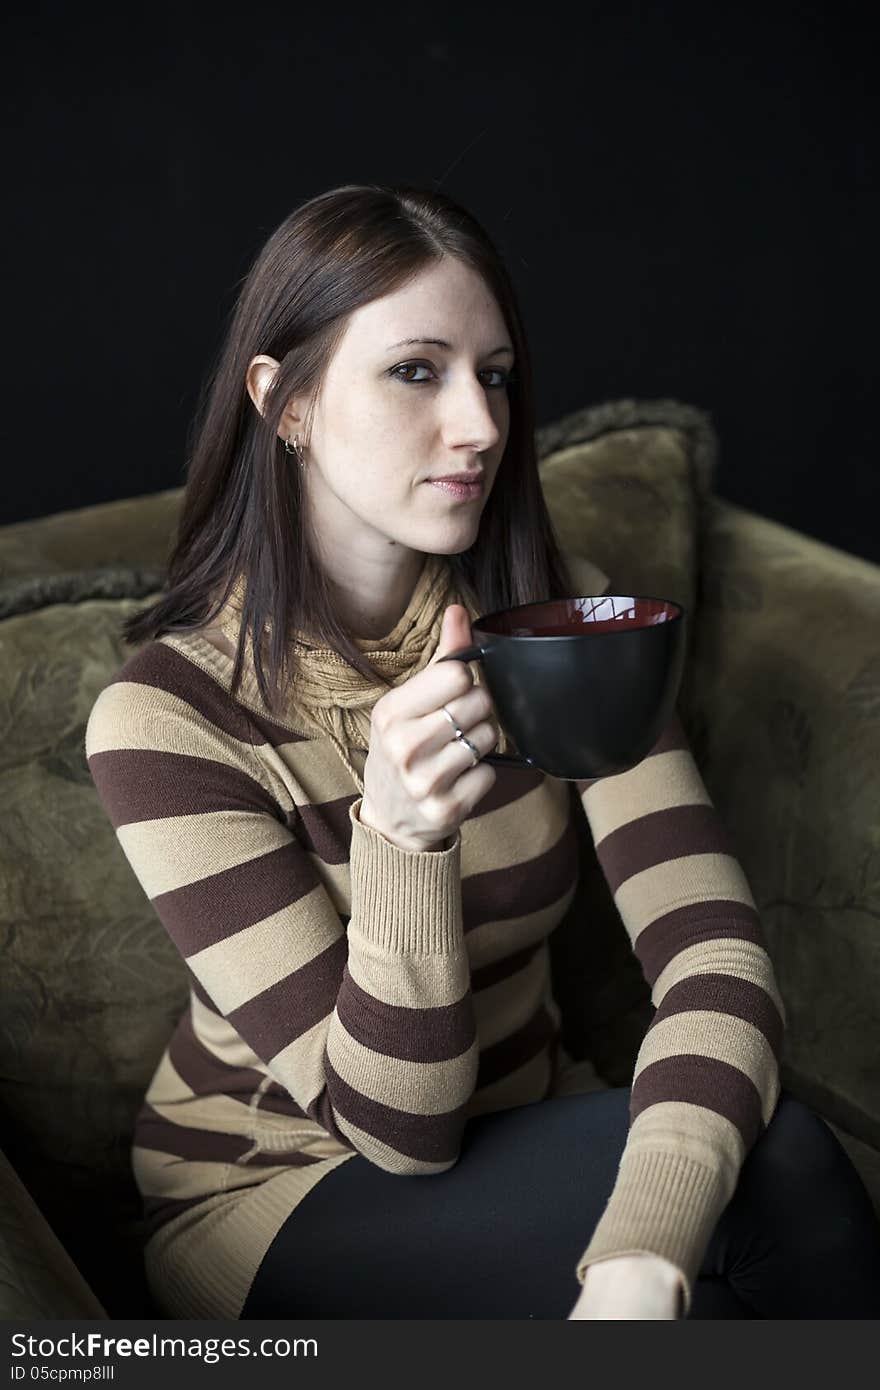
[(476, 653)]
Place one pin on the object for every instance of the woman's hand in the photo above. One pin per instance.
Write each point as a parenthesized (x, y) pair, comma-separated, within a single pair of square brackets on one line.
[(630, 1286), (420, 781)]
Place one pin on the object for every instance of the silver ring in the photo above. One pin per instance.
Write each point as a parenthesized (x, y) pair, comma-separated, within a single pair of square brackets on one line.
[(460, 736), (476, 752), (459, 732)]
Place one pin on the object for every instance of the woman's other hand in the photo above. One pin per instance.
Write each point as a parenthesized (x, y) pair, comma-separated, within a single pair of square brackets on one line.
[(641, 1286)]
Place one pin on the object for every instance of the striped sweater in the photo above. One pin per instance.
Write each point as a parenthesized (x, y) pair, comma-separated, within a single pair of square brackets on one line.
[(351, 997)]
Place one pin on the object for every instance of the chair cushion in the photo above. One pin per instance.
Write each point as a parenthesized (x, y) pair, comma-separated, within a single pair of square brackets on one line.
[(127, 534), (628, 484), (788, 738), (90, 985)]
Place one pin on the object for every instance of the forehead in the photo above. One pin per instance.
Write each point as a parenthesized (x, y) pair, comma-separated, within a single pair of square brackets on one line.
[(447, 300)]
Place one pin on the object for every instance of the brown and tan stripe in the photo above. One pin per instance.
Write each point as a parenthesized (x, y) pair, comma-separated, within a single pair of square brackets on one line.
[(535, 1036), (202, 1071), (658, 837), (427, 1138), (401, 1088), (416, 1035), (725, 994), (325, 829), (530, 887), (167, 676), (684, 927), (503, 1009), (143, 784), (211, 679), (276, 875), (285, 1011), (486, 976), (511, 785), (276, 1100), (154, 1131), (701, 1081)]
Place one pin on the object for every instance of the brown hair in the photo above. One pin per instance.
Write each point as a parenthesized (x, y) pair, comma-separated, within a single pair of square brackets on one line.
[(242, 511)]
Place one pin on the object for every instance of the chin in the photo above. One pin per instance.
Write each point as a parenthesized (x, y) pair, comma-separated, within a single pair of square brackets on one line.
[(451, 535), (454, 545)]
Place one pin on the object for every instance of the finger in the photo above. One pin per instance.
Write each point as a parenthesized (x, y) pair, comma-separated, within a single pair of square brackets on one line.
[(456, 758), (472, 786), (426, 735), (439, 682), (466, 711), (455, 631), (425, 692)]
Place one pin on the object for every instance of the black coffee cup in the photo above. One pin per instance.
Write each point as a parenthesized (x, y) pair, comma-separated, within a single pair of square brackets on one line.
[(584, 687)]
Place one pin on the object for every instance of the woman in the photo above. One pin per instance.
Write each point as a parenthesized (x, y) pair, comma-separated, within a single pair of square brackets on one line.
[(363, 904)]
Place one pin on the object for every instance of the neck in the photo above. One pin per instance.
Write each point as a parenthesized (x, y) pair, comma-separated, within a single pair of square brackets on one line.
[(374, 615)]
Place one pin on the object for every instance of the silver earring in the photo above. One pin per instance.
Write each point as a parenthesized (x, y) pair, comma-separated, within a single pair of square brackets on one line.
[(294, 441)]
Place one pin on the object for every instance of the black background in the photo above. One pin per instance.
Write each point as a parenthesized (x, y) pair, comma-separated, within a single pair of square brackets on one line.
[(686, 196)]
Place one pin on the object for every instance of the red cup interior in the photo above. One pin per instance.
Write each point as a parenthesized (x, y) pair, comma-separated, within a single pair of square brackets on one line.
[(577, 617)]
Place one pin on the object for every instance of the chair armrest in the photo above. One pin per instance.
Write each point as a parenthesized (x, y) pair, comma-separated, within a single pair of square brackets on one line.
[(38, 1279), (130, 533), (783, 719)]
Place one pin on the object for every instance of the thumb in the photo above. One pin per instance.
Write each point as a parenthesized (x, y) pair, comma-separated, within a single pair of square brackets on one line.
[(455, 631)]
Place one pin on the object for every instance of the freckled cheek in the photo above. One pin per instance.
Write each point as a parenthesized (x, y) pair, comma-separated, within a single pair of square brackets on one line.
[(379, 487), (397, 460)]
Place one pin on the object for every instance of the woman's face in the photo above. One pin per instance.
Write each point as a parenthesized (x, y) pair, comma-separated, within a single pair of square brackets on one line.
[(392, 415)]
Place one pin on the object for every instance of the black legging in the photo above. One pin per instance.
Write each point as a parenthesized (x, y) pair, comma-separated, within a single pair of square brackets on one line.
[(498, 1235)]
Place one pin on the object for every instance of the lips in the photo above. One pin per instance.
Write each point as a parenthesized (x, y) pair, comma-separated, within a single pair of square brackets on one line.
[(462, 492), (459, 478)]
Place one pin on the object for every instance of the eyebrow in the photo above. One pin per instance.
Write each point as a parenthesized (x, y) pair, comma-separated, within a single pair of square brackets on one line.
[(441, 342)]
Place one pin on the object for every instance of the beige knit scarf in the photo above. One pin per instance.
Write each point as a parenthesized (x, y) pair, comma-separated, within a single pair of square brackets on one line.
[(337, 700)]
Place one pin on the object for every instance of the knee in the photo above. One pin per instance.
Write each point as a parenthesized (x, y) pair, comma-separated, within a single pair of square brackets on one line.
[(798, 1143)]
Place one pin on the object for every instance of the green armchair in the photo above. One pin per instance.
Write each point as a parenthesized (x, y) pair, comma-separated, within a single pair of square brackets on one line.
[(779, 700)]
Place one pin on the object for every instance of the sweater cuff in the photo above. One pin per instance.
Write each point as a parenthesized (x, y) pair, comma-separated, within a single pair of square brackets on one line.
[(405, 900), (662, 1204)]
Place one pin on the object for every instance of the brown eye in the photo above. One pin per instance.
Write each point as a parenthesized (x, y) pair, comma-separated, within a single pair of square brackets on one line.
[(410, 367), (506, 377)]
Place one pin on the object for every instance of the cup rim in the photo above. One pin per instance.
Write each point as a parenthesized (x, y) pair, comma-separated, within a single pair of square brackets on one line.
[(476, 624)]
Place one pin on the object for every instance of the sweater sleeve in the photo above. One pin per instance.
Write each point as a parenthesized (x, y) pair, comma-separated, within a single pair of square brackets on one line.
[(706, 1080), (370, 1030)]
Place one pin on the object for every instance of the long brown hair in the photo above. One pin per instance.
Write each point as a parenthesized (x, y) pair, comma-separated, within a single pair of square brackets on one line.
[(242, 511)]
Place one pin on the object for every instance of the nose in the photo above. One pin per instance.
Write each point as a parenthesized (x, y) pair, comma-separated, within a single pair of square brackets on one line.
[(470, 418)]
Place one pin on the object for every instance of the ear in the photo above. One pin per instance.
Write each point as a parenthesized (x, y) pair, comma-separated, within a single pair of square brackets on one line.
[(259, 378), (260, 375)]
